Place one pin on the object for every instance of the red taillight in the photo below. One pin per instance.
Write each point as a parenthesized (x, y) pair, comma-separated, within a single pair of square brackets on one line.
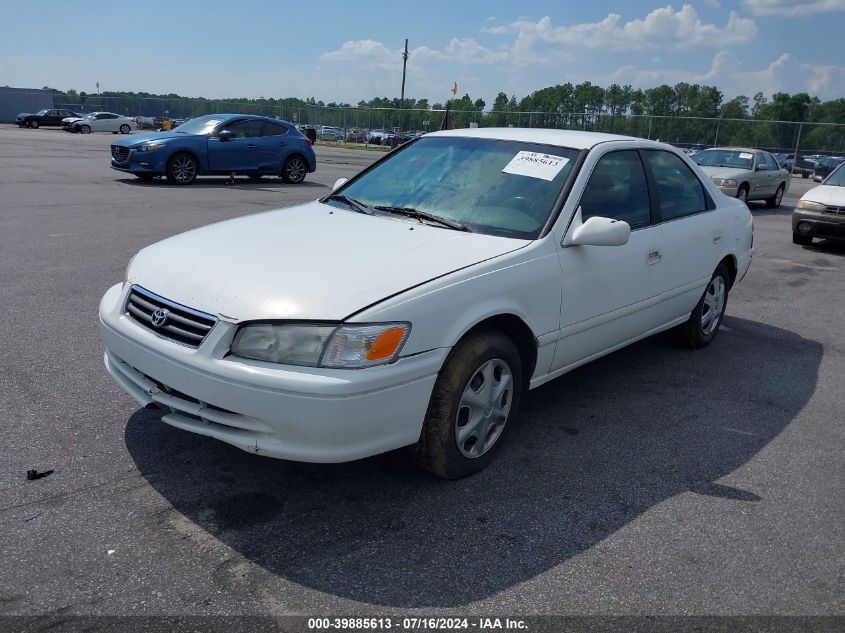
[(309, 141)]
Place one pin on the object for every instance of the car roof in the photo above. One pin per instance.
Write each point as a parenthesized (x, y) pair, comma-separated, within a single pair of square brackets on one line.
[(575, 139), (740, 149)]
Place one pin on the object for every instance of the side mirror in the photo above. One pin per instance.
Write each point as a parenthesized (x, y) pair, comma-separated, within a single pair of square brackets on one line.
[(339, 183), (225, 135), (763, 167), (598, 231)]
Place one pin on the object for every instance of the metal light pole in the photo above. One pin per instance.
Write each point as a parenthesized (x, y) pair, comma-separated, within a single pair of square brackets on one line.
[(402, 96)]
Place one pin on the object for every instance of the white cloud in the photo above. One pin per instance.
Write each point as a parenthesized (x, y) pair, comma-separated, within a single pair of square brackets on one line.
[(466, 50), (358, 50), (793, 7), (663, 27), (497, 30)]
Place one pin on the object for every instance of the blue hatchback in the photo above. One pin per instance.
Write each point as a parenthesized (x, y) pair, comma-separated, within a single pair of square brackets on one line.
[(218, 144)]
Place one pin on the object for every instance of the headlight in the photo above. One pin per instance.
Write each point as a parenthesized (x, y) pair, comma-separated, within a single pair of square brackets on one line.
[(128, 266), (315, 345), (808, 205), (149, 147), (724, 182)]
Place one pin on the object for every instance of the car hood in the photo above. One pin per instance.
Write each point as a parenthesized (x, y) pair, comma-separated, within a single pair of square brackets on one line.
[(831, 195), (312, 261), (138, 139), (725, 172)]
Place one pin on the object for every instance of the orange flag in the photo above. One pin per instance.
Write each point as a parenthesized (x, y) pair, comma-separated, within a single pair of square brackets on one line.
[(454, 88)]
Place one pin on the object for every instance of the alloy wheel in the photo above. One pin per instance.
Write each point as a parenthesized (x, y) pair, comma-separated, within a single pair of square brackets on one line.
[(714, 304), (184, 169), (295, 169)]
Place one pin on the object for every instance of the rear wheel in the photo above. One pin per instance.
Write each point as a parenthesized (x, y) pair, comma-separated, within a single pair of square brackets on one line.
[(124, 129), (294, 169), (775, 200), (707, 316), (182, 169), (476, 394), (803, 240), (34, 125)]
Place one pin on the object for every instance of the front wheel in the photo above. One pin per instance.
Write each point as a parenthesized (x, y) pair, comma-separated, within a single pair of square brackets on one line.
[(182, 169), (742, 193), (802, 240), (294, 169), (775, 200), (707, 316), (476, 394), (85, 129)]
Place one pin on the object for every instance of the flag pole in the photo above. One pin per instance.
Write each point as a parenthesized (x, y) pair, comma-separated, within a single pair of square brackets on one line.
[(402, 97)]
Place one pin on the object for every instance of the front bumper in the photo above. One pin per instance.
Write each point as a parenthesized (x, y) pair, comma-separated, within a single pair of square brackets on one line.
[(296, 413), (153, 163), (822, 225)]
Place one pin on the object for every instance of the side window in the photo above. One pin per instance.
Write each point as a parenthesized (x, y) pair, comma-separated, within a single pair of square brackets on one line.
[(679, 191), (771, 162), (273, 129), (618, 189), (245, 129)]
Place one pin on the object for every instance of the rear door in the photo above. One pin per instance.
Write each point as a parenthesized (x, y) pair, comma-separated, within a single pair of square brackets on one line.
[(691, 234), (240, 153), (273, 147)]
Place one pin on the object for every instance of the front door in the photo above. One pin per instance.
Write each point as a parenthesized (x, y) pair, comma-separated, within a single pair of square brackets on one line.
[(238, 154), (609, 294)]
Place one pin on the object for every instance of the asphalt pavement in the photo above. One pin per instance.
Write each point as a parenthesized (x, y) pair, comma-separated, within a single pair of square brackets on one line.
[(657, 480)]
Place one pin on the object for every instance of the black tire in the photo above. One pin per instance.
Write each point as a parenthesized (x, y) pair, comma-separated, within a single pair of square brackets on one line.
[(802, 240), (85, 129), (182, 169), (437, 449), (775, 200), (145, 177), (742, 193), (125, 129), (294, 169), (254, 177), (114, 132), (694, 331), (34, 124)]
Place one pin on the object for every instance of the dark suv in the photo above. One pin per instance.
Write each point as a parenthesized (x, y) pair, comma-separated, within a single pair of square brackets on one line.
[(51, 117)]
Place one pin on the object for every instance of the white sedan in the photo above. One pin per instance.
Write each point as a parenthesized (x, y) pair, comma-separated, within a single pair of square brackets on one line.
[(104, 122), (417, 303)]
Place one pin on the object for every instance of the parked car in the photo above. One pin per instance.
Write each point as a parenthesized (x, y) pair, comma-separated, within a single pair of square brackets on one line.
[(220, 144), (145, 122), (328, 133), (695, 149), (356, 136), (50, 117), (418, 302), (747, 174), (103, 122), (825, 166), (785, 160), (821, 211), (69, 122), (804, 167)]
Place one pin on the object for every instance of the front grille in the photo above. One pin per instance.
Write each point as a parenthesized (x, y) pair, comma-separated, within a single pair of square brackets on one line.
[(119, 153), (837, 210), (169, 320)]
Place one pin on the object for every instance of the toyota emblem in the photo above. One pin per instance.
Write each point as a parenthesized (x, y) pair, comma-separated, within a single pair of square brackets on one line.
[(159, 317)]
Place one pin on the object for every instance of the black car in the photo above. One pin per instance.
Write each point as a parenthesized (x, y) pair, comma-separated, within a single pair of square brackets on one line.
[(825, 166), (51, 117), (804, 166)]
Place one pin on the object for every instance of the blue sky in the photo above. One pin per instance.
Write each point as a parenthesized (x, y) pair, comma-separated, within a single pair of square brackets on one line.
[(346, 51)]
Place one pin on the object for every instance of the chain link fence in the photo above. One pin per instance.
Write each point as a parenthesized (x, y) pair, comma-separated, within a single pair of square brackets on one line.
[(775, 136)]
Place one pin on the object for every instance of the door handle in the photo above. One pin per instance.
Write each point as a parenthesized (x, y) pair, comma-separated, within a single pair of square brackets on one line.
[(717, 237), (654, 257)]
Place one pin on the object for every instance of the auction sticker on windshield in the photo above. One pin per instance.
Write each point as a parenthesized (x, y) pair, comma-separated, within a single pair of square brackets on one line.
[(536, 165), (745, 155)]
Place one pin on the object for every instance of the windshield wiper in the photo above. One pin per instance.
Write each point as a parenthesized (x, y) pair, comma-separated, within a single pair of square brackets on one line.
[(410, 212), (359, 206)]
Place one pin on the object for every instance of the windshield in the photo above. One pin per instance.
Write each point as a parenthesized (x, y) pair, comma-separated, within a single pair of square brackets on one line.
[(200, 125), (736, 159), (506, 188), (837, 177), (42, 112)]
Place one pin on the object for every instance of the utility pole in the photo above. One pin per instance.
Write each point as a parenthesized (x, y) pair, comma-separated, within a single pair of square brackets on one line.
[(402, 96)]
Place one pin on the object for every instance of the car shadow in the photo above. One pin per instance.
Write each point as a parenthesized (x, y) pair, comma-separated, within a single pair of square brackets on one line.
[(221, 181), (590, 453), (829, 247)]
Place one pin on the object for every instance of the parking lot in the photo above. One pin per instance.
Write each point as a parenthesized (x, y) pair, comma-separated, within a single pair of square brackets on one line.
[(657, 480)]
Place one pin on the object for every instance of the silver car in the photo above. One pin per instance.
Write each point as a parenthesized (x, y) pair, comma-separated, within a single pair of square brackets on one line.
[(747, 174)]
